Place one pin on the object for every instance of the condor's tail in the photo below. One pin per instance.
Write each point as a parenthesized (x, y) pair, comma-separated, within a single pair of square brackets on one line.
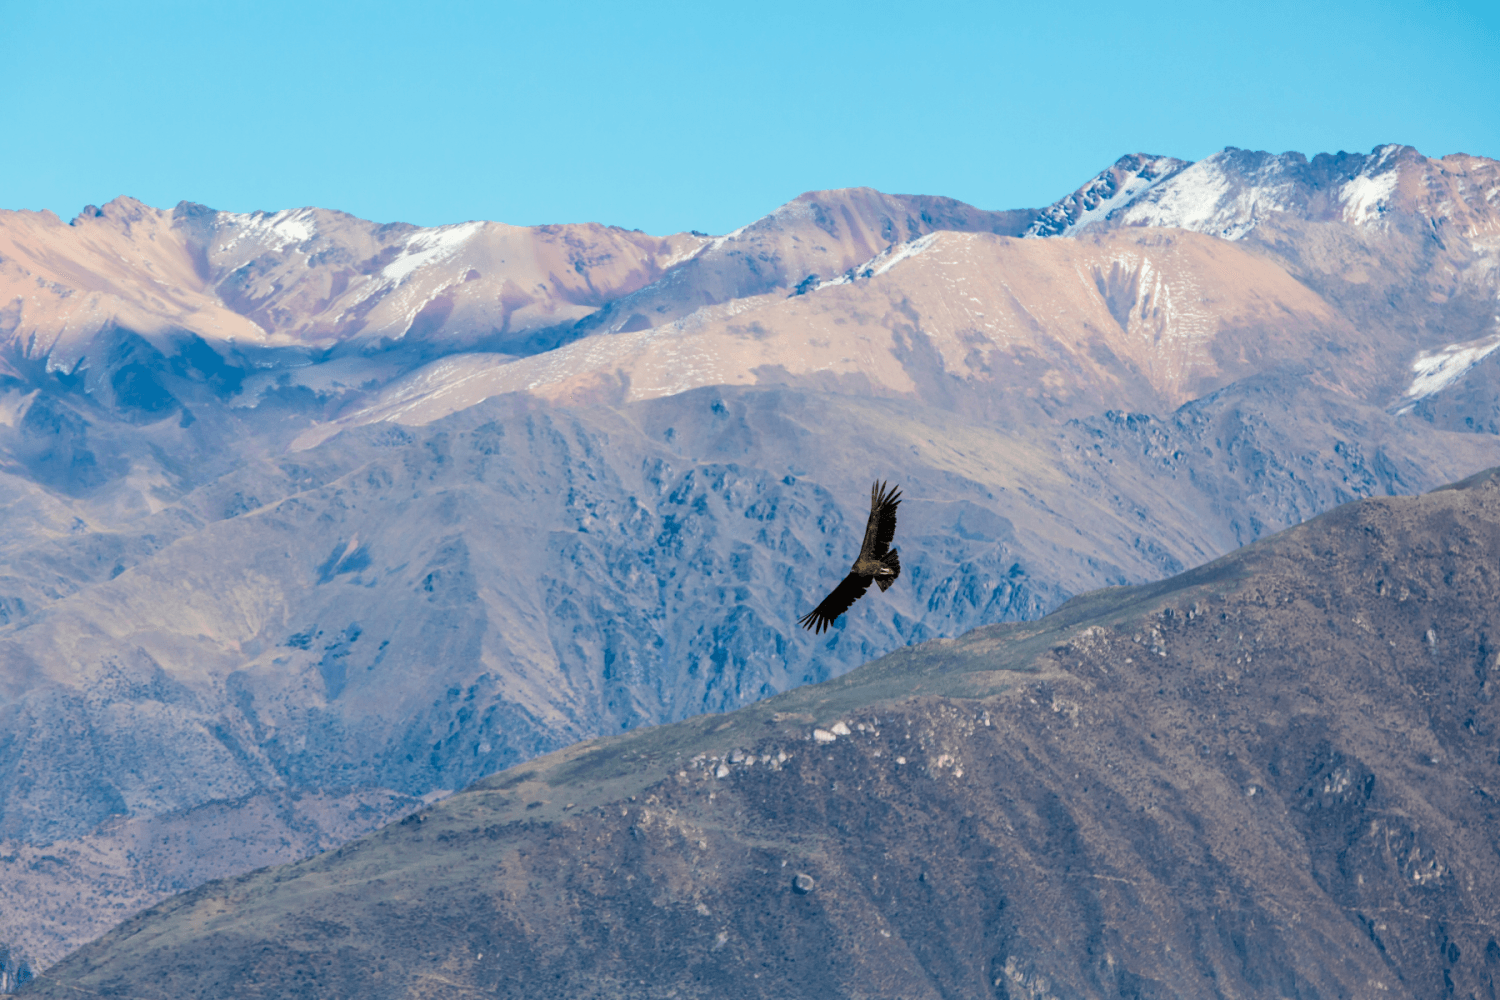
[(891, 562)]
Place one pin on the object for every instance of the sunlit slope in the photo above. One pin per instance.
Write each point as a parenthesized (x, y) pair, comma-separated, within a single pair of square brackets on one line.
[(305, 278), (1403, 245), (1143, 320)]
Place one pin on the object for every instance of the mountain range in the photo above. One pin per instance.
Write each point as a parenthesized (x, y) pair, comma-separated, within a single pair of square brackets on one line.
[(1273, 775), (310, 521)]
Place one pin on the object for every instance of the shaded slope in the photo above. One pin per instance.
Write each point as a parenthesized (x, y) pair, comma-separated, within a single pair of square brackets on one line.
[(401, 611), (1274, 775)]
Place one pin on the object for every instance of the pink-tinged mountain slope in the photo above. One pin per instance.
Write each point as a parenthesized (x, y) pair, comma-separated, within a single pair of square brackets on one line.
[(325, 277), (308, 278), (60, 285), (1287, 245), (1143, 319), (816, 237)]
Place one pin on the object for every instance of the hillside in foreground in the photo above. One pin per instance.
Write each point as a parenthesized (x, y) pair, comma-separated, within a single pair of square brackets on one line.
[(1274, 775)]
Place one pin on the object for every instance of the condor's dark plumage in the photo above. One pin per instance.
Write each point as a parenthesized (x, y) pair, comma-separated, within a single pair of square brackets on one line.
[(876, 562)]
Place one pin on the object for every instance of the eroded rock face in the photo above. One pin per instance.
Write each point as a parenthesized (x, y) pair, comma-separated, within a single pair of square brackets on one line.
[(1274, 775)]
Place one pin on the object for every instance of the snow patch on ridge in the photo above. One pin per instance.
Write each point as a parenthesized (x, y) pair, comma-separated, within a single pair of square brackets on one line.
[(904, 252), (1113, 189), (1203, 198), (884, 260), (719, 241), (1190, 203), (1367, 198), (1439, 369), (288, 227), (428, 247), (1206, 198), (422, 249), (685, 254), (1134, 186)]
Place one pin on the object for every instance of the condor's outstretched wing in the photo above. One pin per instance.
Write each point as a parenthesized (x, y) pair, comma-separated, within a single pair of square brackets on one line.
[(881, 528), (836, 603)]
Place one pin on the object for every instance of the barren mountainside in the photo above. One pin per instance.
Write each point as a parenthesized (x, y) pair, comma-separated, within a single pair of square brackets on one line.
[(966, 321), (1274, 775), (307, 278), (310, 520)]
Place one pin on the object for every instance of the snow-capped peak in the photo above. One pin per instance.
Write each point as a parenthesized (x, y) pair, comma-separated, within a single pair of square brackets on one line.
[(1366, 196), (1231, 192), (272, 230), (1129, 178), (1226, 194)]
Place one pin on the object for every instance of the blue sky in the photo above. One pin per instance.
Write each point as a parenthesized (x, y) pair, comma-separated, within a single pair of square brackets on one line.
[(666, 117)]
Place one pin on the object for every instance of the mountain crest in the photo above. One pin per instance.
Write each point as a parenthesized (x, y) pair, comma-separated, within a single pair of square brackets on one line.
[(1127, 179), (1231, 193)]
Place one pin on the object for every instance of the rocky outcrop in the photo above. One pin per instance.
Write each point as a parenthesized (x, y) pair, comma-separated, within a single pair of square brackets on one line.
[(15, 970), (1122, 183)]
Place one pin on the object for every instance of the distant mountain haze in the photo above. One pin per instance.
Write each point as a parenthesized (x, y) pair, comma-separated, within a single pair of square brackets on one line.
[(309, 521)]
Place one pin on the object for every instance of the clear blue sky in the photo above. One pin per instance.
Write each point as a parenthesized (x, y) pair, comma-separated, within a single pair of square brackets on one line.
[(701, 115)]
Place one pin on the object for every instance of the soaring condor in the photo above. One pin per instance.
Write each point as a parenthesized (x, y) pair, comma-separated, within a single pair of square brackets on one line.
[(877, 561)]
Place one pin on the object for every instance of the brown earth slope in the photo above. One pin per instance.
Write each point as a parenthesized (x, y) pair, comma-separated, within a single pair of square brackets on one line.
[(1275, 775)]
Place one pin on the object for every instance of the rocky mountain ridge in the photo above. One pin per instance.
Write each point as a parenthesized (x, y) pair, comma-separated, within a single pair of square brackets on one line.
[(1358, 231), (1230, 193), (296, 587), (1113, 188), (1274, 774), (814, 238), (273, 291), (398, 611)]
